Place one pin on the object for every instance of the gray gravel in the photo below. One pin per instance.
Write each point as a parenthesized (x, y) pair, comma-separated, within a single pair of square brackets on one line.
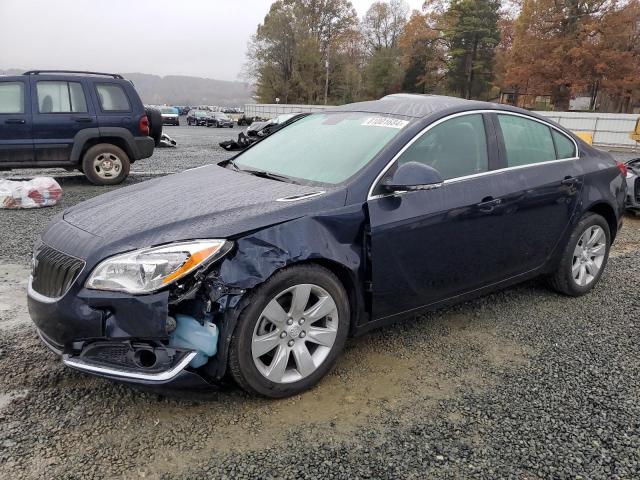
[(523, 383)]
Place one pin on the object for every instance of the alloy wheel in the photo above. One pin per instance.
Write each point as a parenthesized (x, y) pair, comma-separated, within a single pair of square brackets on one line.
[(295, 333), (588, 255)]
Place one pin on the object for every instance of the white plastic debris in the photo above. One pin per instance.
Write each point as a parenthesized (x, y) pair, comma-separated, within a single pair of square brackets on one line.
[(38, 192)]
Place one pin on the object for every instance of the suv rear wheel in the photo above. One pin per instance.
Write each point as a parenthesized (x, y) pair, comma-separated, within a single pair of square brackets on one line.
[(105, 164)]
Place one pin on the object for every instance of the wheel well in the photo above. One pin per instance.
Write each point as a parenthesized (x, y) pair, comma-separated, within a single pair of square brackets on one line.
[(118, 142), (606, 211), (345, 277)]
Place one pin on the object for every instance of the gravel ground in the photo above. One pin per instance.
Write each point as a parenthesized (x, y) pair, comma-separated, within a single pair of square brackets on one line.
[(521, 384)]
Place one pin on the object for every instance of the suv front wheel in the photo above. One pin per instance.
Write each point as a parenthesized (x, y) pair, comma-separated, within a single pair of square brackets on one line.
[(105, 164)]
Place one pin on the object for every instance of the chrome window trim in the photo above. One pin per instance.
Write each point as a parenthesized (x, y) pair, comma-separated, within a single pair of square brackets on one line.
[(371, 196), (152, 377)]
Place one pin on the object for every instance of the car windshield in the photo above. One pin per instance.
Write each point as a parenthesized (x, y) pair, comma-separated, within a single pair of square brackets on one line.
[(168, 110), (200, 114), (323, 147), (222, 115)]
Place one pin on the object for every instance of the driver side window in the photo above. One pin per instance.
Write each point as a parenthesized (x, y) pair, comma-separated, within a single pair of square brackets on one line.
[(456, 147)]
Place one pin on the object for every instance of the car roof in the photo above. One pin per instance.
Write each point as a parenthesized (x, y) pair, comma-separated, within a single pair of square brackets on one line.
[(416, 105)]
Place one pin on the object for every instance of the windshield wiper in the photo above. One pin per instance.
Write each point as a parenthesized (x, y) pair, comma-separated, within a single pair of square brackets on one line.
[(265, 174)]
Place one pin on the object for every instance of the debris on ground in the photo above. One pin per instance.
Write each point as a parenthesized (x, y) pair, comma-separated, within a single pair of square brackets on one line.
[(35, 193)]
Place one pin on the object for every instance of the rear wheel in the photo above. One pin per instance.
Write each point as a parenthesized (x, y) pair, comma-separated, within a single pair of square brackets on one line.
[(291, 333), (105, 164), (584, 258)]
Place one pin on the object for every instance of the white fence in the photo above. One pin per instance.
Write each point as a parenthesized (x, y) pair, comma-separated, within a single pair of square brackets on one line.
[(270, 110), (608, 129)]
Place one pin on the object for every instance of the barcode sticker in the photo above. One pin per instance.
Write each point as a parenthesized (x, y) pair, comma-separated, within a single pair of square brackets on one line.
[(385, 122)]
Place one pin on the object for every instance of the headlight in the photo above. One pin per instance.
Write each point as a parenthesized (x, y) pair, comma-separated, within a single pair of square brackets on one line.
[(148, 269)]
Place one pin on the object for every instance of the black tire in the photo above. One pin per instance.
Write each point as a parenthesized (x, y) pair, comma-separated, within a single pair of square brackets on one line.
[(89, 159), (241, 364), (155, 124), (562, 279)]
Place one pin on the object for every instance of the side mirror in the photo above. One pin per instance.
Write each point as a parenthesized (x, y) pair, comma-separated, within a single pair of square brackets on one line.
[(412, 176)]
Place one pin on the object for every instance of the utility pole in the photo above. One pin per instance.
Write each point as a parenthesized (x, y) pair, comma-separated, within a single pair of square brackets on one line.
[(326, 79)]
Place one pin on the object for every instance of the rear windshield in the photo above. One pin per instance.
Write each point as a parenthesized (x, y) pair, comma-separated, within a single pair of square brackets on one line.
[(323, 147)]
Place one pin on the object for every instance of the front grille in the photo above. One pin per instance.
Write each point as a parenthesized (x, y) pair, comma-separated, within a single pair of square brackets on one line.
[(54, 272)]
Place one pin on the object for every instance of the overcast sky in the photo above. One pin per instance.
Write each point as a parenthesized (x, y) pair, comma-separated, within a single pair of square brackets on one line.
[(205, 38)]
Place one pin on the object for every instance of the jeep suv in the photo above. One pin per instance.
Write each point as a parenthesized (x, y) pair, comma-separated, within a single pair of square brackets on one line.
[(93, 122)]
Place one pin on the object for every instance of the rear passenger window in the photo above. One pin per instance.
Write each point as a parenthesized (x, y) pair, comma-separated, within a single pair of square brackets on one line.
[(60, 97), (11, 97), (526, 141), (456, 147), (564, 146), (112, 98)]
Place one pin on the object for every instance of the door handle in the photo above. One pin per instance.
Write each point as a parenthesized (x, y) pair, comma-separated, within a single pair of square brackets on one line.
[(84, 119), (569, 181), (15, 121), (488, 204)]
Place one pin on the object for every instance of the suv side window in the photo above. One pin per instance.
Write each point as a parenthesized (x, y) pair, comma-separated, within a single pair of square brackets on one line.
[(60, 97), (526, 141), (112, 98), (456, 147), (11, 97)]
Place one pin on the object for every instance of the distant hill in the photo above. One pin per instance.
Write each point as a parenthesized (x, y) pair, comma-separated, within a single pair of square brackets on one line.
[(183, 90)]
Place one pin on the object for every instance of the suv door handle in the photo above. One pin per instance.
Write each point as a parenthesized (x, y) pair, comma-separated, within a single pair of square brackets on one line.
[(569, 181), (83, 119), (15, 121), (488, 204)]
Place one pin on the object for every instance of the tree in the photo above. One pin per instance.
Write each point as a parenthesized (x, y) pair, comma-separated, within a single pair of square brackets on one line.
[(383, 24), (471, 32), (423, 53), (291, 54)]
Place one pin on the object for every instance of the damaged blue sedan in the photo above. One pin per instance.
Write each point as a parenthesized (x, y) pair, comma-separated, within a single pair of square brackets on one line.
[(259, 268)]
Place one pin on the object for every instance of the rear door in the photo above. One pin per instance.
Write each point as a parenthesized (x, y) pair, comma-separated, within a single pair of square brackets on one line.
[(60, 110), (542, 162), (16, 144)]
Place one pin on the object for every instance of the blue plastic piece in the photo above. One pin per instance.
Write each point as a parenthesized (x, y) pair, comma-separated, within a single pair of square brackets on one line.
[(191, 334)]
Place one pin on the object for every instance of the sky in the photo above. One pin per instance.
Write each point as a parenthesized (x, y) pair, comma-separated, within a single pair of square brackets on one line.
[(204, 38)]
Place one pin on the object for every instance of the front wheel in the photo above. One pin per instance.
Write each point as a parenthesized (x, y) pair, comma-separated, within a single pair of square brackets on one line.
[(584, 257), (291, 333), (105, 164)]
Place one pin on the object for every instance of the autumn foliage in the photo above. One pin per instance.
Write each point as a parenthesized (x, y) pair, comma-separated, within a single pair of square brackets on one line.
[(321, 51)]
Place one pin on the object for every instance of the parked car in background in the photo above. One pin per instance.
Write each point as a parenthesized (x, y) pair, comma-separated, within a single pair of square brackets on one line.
[(198, 117), (93, 122), (259, 130), (219, 120), (633, 185), (170, 116), (346, 220)]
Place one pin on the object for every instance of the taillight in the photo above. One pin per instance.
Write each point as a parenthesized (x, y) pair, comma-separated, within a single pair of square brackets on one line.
[(622, 167), (144, 125)]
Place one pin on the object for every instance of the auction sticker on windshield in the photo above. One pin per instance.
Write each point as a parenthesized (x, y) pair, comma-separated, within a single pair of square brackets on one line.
[(385, 122)]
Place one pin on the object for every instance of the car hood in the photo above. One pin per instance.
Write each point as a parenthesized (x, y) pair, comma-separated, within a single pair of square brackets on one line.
[(206, 202)]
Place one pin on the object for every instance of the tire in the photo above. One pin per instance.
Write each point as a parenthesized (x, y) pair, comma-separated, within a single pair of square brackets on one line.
[(155, 124), (292, 340), (95, 168), (573, 263)]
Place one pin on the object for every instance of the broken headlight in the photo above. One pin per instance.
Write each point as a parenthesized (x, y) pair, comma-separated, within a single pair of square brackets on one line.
[(149, 269)]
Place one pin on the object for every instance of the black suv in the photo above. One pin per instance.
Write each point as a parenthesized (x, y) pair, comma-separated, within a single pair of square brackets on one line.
[(94, 122)]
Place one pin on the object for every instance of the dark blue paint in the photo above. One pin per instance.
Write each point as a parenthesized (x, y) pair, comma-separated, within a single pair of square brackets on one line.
[(397, 255)]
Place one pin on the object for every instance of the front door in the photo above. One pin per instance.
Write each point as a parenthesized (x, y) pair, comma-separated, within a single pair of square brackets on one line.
[(16, 144), (60, 111), (431, 245)]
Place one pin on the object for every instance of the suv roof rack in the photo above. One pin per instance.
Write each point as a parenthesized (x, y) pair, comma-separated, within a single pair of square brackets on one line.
[(38, 72)]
